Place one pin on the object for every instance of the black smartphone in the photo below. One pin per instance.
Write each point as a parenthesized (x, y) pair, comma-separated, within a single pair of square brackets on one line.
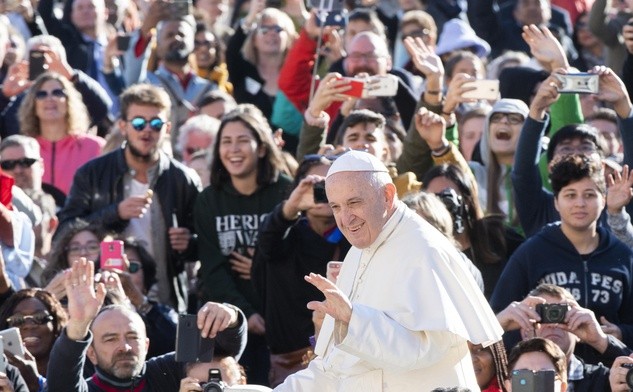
[(334, 18), (36, 64), (319, 192), (123, 42), (190, 345)]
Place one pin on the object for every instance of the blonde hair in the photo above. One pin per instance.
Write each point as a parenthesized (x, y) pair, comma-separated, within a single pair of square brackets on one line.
[(249, 52), (77, 119)]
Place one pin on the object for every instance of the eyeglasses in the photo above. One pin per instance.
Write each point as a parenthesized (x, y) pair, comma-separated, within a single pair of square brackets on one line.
[(135, 266), (89, 248), (363, 56), (24, 163), (39, 318), (263, 30), (139, 123), (513, 118), (583, 149), (43, 94)]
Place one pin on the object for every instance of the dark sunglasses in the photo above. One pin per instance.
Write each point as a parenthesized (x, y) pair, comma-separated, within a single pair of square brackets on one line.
[(265, 29), (135, 266), (24, 163), (57, 93), (139, 123), (39, 318)]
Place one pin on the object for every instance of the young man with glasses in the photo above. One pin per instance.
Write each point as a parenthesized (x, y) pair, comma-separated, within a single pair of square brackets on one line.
[(139, 191)]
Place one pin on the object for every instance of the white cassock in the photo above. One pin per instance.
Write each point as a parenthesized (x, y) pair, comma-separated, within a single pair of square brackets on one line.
[(414, 306)]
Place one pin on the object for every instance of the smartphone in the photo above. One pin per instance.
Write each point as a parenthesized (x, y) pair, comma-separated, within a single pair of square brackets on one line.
[(332, 270), (526, 380), (319, 192), (180, 8), (581, 83), (484, 89), (327, 5), (37, 61), (12, 341), (381, 86), (112, 255), (123, 42), (190, 345), (334, 18), (358, 86)]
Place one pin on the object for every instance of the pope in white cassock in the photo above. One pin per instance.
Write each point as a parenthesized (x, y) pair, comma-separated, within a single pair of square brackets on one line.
[(404, 304)]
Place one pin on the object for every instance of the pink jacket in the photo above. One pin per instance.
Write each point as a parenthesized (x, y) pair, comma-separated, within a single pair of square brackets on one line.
[(63, 157)]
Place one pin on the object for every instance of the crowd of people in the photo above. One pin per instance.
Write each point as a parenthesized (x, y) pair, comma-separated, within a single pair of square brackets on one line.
[(410, 234)]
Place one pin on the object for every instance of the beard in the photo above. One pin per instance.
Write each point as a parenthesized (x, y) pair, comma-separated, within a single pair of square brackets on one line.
[(178, 55), (136, 153), (123, 371)]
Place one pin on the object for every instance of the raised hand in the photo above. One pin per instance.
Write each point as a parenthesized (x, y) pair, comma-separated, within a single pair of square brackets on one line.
[(134, 206), (619, 192), (336, 303), (331, 89), (582, 323), (302, 197), (612, 90), (84, 301), (424, 58), (214, 317), (546, 95), (545, 47), (432, 128), (520, 315), (17, 79), (455, 91)]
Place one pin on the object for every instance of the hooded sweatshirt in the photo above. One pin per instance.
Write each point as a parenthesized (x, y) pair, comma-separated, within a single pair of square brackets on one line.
[(601, 281), (481, 171)]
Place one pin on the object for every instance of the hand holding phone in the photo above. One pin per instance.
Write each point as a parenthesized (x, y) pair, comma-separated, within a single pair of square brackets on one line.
[(112, 255), (12, 341), (190, 345), (37, 63)]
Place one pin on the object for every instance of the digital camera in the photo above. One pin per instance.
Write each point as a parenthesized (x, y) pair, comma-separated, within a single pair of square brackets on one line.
[(552, 313), (629, 374)]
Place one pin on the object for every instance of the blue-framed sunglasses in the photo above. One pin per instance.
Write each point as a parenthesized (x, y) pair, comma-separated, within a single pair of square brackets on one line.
[(139, 123)]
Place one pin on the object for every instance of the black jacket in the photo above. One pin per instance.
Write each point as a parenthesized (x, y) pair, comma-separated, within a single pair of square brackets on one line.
[(98, 189)]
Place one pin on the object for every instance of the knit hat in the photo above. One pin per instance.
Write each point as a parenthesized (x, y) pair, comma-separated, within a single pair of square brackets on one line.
[(457, 35)]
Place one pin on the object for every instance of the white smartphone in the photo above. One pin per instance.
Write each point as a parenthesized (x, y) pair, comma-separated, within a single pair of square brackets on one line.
[(332, 270), (484, 89), (3, 360), (13, 341), (381, 86)]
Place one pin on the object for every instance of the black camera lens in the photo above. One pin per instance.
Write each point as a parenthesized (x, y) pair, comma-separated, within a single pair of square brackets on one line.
[(213, 386)]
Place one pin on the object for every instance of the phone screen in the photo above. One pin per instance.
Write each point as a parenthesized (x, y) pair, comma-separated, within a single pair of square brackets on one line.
[(36, 64)]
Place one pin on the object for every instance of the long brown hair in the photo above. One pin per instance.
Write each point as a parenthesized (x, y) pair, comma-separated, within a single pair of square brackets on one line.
[(77, 118)]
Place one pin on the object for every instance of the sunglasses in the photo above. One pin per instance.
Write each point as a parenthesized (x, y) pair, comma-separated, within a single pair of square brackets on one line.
[(24, 163), (263, 30), (139, 123), (39, 318), (135, 266), (57, 93)]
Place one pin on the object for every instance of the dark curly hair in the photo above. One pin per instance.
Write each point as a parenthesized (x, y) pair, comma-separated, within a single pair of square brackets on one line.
[(573, 168), (53, 306)]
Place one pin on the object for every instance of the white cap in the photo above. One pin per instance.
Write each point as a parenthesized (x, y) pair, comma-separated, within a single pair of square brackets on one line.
[(356, 161)]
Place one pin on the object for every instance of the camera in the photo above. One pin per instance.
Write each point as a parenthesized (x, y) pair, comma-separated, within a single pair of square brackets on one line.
[(215, 384), (319, 192), (629, 374), (552, 313)]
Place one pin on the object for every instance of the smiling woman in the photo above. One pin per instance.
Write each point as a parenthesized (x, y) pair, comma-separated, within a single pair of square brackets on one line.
[(62, 134), (40, 319)]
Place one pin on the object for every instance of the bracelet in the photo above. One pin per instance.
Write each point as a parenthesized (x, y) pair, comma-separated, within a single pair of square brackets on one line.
[(438, 152), (433, 92), (447, 114)]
